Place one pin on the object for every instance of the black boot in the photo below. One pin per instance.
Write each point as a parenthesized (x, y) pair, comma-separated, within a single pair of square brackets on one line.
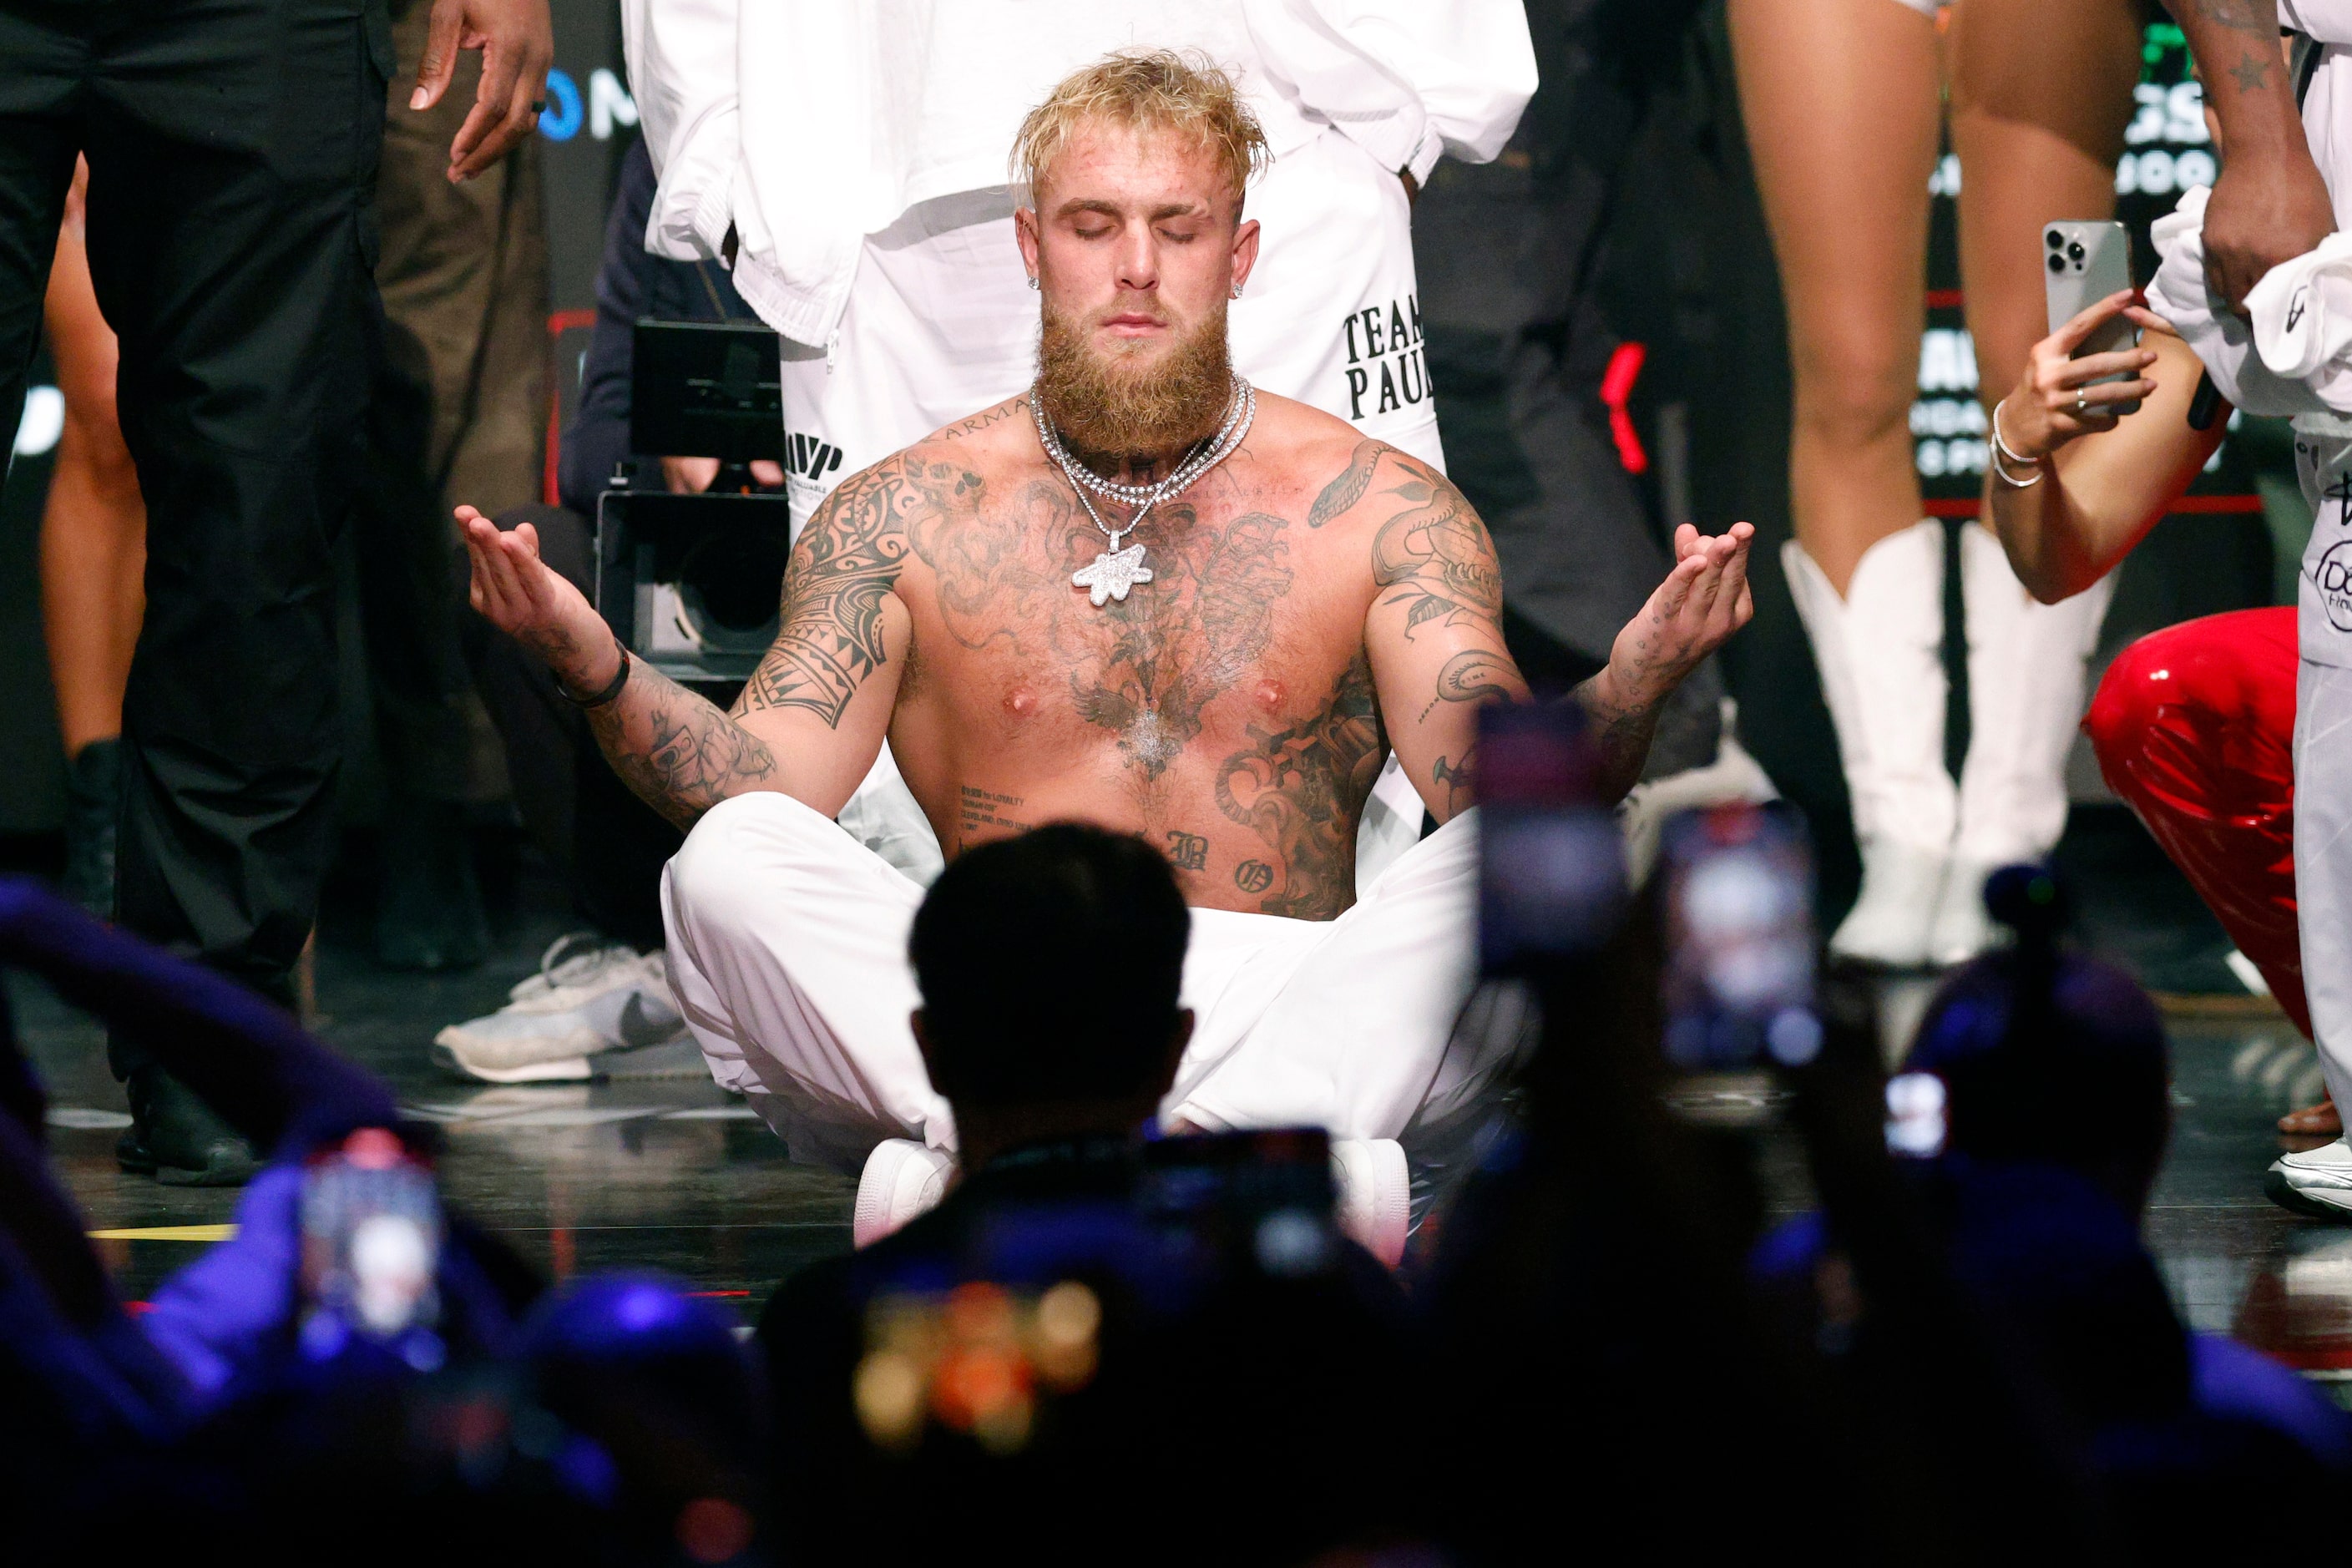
[(428, 906), (93, 801), (177, 1138)]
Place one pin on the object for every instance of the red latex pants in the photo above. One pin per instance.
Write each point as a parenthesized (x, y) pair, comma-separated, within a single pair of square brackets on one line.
[(2194, 725)]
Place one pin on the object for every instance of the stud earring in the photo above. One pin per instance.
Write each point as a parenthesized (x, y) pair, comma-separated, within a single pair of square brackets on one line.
[(1033, 282), (1237, 290)]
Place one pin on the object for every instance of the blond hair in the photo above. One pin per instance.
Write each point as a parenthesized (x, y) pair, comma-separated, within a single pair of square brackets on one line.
[(1160, 88)]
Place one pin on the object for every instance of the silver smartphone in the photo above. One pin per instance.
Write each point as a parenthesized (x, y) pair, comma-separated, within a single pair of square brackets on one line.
[(2081, 264)]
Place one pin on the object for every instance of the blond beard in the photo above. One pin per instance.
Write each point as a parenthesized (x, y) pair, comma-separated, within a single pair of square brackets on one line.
[(1117, 404)]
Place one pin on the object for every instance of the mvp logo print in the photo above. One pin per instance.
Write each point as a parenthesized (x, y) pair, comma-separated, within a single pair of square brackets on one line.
[(810, 459), (1385, 368)]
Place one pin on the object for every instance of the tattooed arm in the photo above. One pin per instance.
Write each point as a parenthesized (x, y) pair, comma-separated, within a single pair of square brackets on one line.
[(811, 720), (1703, 601), (2270, 203), (1435, 632)]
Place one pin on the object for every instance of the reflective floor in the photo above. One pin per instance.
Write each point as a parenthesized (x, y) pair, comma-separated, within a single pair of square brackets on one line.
[(660, 1171), (663, 1170)]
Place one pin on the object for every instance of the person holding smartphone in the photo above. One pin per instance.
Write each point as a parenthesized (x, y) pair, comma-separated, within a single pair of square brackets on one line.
[(2203, 728), (2280, 107), (1844, 101)]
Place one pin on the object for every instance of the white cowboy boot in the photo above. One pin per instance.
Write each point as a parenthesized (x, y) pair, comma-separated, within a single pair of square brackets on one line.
[(2027, 662), (1880, 652)]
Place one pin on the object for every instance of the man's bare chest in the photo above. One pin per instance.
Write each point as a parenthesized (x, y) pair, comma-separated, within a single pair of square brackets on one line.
[(1245, 620)]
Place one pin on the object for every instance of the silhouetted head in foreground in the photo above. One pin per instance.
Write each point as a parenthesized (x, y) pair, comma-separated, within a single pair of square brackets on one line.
[(2047, 1054), (1050, 967)]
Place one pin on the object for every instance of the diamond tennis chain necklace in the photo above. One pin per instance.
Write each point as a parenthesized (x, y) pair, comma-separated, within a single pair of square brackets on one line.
[(1115, 571)]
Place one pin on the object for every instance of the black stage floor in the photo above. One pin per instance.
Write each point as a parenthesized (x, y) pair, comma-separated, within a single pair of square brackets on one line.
[(667, 1172), (662, 1171)]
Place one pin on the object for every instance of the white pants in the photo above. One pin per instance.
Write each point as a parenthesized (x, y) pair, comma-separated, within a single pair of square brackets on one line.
[(2323, 742), (788, 956), (2323, 863), (941, 323)]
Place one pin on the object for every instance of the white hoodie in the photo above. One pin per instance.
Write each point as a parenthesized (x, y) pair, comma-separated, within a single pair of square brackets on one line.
[(809, 124)]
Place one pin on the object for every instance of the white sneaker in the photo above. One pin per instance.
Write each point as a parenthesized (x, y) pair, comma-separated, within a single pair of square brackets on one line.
[(590, 997), (2317, 1182), (1375, 1194), (902, 1179)]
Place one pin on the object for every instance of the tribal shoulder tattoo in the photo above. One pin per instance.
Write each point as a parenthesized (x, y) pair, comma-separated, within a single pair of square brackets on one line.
[(681, 755), (845, 563)]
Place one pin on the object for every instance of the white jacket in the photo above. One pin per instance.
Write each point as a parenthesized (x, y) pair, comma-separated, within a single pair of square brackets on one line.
[(2329, 21), (810, 124)]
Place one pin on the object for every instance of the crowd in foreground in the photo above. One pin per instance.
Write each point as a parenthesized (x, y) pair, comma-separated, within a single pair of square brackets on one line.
[(1102, 1346)]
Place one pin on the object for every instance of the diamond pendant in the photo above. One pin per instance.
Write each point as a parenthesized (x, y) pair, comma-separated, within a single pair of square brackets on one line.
[(1112, 575)]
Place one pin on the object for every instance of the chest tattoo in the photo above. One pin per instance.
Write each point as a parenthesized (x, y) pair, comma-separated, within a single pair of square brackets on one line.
[(1143, 667), (1301, 789)]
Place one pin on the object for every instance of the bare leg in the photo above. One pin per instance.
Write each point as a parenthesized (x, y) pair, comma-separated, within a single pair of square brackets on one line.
[(94, 529), (2040, 94), (1844, 104), (1841, 102)]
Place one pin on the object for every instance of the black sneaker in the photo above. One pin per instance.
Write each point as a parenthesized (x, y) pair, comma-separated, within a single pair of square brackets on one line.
[(175, 1137)]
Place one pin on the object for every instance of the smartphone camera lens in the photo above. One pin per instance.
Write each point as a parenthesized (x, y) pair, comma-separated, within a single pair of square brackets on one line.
[(2075, 251), (2057, 264), (2053, 239)]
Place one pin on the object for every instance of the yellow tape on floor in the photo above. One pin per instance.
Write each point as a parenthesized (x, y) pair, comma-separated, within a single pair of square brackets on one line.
[(167, 1233)]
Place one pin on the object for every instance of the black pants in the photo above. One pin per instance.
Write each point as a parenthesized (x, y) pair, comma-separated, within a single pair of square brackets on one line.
[(576, 807), (1517, 292), (232, 146)]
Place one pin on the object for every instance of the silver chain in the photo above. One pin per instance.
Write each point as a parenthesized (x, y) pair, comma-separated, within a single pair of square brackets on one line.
[(1240, 413)]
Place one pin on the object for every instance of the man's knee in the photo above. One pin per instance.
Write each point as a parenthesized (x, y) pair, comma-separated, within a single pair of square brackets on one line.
[(711, 885), (703, 884)]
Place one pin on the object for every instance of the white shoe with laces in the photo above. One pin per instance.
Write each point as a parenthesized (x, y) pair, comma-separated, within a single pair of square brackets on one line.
[(591, 998), (2317, 1182)]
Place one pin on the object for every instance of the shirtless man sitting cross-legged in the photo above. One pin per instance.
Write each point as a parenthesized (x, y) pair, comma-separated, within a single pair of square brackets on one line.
[(1307, 602)]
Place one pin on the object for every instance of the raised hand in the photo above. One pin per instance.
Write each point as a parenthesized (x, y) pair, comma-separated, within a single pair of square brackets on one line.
[(517, 44), (1703, 601), (532, 603), (2044, 412)]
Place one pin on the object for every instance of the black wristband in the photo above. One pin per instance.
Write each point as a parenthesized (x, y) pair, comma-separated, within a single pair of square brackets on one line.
[(612, 687)]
